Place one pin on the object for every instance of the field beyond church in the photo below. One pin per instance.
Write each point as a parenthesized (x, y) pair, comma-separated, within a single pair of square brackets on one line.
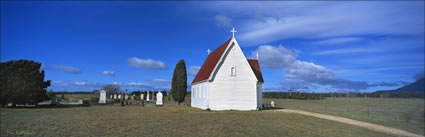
[(135, 120)]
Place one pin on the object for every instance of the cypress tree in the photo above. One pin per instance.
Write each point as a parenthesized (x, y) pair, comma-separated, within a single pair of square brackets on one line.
[(179, 82)]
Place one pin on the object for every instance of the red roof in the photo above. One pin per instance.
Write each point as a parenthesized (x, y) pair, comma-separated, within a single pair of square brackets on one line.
[(256, 68), (212, 60), (209, 64)]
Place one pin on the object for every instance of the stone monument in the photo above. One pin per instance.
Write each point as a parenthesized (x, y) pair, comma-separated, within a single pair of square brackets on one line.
[(159, 99), (102, 98)]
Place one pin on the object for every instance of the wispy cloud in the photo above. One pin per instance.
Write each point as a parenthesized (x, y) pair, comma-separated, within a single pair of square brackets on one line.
[(108, 73), (146, 63), (265, 22), (345, 51), (67, 69), (334, 41), (160, 81), (223, 21), (193, 70)]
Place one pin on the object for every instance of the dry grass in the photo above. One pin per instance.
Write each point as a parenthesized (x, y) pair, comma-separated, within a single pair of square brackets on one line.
[(113, 120), (406, 114)]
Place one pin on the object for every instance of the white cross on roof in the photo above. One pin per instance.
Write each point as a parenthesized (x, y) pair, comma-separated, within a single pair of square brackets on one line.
[(233, 32)]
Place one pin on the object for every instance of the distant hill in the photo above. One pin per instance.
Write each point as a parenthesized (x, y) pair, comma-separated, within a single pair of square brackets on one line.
[(416, 87)]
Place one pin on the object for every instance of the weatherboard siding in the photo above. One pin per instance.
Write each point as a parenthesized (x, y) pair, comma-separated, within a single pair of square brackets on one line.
[(233, 92), (199, 97)]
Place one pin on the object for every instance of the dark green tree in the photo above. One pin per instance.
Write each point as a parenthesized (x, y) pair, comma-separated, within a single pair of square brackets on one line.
[(179, 82), (22, 82)]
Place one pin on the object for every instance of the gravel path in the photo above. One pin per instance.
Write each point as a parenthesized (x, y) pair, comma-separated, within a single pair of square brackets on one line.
[(370, 126)]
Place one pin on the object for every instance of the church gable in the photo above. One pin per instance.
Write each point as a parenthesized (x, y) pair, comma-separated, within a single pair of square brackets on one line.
[(218, 56), (233, 66)]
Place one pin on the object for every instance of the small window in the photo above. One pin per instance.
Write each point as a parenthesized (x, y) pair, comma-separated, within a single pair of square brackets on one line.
[(200, 91), (233, 71), (194, 92)]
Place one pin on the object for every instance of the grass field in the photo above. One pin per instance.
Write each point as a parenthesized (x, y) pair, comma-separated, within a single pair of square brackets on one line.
[(113, 120), (406, 114), (172, 120)]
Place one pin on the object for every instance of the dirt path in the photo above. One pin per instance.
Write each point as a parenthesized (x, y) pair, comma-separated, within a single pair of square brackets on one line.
[(370, 126)]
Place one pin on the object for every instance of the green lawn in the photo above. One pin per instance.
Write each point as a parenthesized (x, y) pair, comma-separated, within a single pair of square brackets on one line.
[(113, 120), (406, 114)]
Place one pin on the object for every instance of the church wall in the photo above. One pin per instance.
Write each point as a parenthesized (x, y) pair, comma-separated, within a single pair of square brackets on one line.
[(199, 95), (234, 92), (259, 95)]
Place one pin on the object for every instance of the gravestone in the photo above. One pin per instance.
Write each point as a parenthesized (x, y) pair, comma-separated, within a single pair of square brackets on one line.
[(272, 104), (147, 96), (80, 101), (111, 97), (115, 96), (159, 99), (102, 98), (119, 96), (142, 96), (126, 97)]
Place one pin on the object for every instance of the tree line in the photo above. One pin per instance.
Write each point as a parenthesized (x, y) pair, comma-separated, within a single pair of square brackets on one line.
[(318, 96)]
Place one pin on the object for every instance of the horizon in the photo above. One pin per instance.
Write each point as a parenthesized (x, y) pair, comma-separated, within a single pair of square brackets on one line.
[(334, 46)]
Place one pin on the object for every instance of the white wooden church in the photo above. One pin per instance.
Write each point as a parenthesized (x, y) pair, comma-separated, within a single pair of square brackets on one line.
[(228, 81)]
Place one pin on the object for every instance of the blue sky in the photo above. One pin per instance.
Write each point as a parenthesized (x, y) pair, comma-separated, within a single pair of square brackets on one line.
[(305, 46)]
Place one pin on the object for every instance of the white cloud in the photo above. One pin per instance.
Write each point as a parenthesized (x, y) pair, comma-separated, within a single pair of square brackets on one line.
[(305, 73), (193, 70), (64, 68), (108, 73), (146, 63), (334, 41), (223, 21)]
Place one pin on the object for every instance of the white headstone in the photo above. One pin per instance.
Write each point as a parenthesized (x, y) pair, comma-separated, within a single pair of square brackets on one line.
[(102, 98), (119, 96), (147, 96), (115, 96), (111, 97), (272, 104), (142, 96), (126, 97), (80, 101), (159, 98)]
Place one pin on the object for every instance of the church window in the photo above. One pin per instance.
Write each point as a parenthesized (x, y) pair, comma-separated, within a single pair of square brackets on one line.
[(233, 71)]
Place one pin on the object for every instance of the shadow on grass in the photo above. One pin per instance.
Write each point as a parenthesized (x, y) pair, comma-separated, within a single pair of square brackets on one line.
[(272, 108)]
